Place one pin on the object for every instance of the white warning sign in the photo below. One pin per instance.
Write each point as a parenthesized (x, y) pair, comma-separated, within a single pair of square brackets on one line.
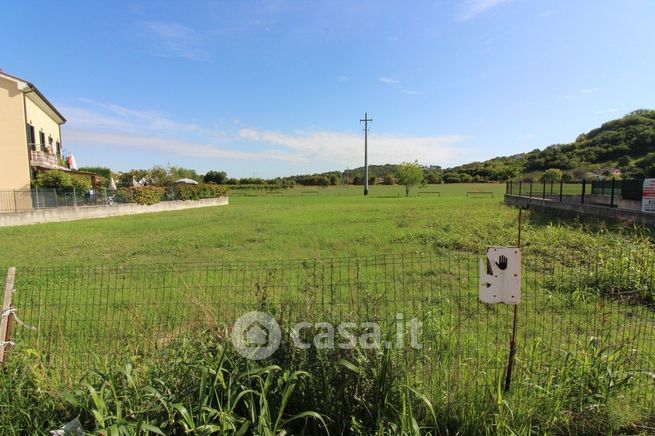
[(648, 196), (500, 276)]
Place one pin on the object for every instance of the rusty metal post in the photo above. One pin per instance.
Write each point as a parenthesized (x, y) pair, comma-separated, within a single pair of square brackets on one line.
[(7, 316)]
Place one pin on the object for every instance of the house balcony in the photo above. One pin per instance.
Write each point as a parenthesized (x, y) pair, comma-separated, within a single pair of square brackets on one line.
[(40, 158)]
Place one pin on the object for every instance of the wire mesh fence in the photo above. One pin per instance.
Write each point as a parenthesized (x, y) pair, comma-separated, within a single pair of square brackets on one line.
[(72, 314)]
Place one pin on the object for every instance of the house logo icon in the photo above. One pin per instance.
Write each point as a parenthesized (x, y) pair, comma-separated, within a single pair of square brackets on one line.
[(256, 335)]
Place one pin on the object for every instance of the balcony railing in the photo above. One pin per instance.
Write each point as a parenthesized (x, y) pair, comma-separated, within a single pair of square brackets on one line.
[(44, 157)]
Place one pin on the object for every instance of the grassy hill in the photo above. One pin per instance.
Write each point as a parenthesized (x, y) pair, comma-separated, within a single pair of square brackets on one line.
[(627, 143)]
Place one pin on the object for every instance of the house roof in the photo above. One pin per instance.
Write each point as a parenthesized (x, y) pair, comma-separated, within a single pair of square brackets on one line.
[(26, 86)]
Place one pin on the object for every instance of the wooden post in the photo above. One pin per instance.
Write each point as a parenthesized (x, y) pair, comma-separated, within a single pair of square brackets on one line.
[(7, 320)]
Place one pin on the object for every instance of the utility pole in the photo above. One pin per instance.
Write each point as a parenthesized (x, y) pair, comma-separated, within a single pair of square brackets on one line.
[(366, 120)]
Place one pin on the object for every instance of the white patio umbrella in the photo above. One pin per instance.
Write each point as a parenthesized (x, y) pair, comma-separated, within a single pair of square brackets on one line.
[(112, 184), (187, 181)]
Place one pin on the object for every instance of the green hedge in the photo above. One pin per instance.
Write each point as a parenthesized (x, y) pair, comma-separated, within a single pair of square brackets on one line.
[(200, 191), (140, 195), (154, 194)]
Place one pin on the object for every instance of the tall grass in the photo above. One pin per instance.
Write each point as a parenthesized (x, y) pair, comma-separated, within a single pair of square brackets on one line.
[(202, 386)]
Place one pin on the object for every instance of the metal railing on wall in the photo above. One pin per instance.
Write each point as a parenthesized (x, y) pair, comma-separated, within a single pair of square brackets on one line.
[(597, 192), (23, 200)]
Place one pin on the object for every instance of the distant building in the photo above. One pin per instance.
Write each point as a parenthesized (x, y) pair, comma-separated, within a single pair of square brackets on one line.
[(30, 133)]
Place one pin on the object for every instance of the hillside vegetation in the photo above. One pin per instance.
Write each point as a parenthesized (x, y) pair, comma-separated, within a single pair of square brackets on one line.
[(627, 144)]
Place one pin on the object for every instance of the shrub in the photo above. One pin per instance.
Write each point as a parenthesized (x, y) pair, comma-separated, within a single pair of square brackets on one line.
[(200, 191), (124, 195), (552, 175), (80, 183), (55, 179), (141, 195), (148, 195)]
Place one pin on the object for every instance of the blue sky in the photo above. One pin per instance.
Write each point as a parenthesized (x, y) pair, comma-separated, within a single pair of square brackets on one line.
[(273, 88)]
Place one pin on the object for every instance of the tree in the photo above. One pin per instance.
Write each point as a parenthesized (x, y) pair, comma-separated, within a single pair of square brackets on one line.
[(433, 177), (552, 175), (388, 179), (623, 161), (218, 177), (410, 174)]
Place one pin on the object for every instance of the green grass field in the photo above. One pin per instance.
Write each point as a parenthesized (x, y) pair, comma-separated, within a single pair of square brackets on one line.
[(100, 292), (337, 222)]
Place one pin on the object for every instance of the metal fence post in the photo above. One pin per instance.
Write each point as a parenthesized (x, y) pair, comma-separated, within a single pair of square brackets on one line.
[(15, 202), (612, 194), (584, 189), (543, 194), (520, 188), (106, 199), (530, 190), (54, 192), (552, 184), (37, 198), (561, 189), (74, 197)]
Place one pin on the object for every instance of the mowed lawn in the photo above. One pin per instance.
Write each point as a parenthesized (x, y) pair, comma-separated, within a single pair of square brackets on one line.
[(299, 223)]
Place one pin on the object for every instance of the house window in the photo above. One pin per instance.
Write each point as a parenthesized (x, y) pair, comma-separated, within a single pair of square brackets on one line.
[(31, 139), (42, 140), (58, 149)]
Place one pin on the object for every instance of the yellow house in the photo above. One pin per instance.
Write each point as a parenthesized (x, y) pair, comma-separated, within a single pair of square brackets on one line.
[(30, 133)]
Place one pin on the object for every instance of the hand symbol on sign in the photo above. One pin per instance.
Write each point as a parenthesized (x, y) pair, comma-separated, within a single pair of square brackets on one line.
[(502, 262)]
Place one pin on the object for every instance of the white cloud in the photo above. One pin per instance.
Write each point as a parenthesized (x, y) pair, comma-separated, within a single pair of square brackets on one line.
[(389, 81), (347, 148), (472, 8), (159, 145), (588, 91), (105, 127), (395, 83), (343, 78), (175, 40)]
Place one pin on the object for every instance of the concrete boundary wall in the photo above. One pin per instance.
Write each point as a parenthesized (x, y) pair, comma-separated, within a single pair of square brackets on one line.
[(38, 216), (592, 210)]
